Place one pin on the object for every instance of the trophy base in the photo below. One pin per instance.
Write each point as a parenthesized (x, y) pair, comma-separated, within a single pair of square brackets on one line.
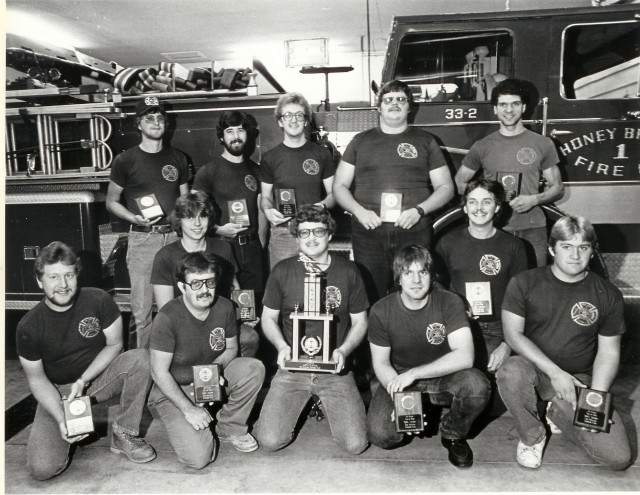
[(311, 365)]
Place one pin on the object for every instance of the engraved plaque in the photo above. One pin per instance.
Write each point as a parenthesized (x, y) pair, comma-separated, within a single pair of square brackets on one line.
[(390, 207), (593, 409), (286, 202), (238, 212), (408, 411), (511, 183), (206, 383), (479, 296), (77, 416), (246, 301), (149, 207)]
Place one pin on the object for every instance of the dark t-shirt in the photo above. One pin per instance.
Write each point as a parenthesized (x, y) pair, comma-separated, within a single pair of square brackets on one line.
[(302, 169), (564, 319), (140, 173), (192, 341), (167, 258), (416, 337), (494, 260), (397, 163), (67, 342), (225, 181), (342, 287)]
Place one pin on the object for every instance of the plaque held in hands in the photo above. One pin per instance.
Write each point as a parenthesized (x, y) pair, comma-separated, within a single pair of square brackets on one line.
[(206, 383), (408, 411), (246, 301), (77, 416), (511, 183), (390, 207), (286, 202), (238, 212), (149, 207), (593, 410)]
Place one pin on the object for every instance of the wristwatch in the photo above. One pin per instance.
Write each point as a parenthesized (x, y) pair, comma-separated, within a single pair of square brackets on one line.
[(420, 210)]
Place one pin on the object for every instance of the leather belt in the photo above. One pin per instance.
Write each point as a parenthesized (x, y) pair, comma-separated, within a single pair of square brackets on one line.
[(241, 239), (153, 229)]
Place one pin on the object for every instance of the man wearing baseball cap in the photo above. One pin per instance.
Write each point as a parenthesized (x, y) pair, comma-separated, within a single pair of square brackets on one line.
[(150, 178)]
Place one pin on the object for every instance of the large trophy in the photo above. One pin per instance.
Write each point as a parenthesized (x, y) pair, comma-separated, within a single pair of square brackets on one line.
[(311, 348)]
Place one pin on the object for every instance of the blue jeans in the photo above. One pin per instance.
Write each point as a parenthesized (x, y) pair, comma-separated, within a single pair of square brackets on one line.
[(374, 251), (536, 244), (195, 448), (487, 337), (141, 250), (520, 383), (282, 244), (466, 392), (287, 397), (128, 375), (250, 258)]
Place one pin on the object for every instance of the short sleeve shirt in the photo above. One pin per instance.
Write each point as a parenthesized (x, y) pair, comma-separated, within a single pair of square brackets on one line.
[(67, 342)]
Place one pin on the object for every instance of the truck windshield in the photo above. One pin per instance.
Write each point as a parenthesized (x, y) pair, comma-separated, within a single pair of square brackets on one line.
[(445, 67)]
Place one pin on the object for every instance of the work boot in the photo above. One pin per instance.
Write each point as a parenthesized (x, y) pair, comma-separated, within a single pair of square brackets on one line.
[(460, 454), (135, 448)]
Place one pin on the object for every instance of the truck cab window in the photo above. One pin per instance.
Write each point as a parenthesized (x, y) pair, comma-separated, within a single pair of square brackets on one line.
[(601, 61), (447, 67)]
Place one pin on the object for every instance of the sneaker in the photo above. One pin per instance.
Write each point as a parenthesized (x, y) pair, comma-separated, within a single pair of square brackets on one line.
[(243, 443), (530, 456), (552, 426), (135, 448), (460, 454)]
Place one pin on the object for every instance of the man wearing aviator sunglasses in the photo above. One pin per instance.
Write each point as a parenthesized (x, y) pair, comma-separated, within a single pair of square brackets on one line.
[(297, 164), (150, 174), (197, 328)]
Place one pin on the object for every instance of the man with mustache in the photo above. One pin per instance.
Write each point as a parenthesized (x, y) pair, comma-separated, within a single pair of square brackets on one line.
[(392, 158), (198, 328), (229, 179), (70, 345)]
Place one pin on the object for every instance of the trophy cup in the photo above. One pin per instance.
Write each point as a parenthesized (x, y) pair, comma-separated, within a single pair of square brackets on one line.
[(408, 411), (593, 410), (206, 383), (311, 351), (77, 416)]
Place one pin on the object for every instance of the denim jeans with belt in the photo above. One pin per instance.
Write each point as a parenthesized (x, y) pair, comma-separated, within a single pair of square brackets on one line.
[(465, 392), (375, 249), (282, 244), (141, 251), (128, 375), (195, 448), (521, 382), (290, 392)]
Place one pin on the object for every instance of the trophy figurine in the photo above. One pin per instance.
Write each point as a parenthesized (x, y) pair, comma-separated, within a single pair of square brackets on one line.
[(312, 351)]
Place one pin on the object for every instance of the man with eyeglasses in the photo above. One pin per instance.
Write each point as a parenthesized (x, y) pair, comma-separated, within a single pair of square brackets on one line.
[(199, 328), (190, 220), (297, 164), (392, 158), (345, 294), (70, 345), (516, 157), (420, 340), (150, 177)]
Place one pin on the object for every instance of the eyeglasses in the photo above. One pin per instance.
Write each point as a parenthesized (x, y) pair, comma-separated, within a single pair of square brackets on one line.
[(319, 232), (151, 118), (399, 99), (299, 116), (197, 284)]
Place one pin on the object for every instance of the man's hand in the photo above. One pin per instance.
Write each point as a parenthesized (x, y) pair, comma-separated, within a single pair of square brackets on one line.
[(498, 356), (230, 230), (523, 203), (339, 357), (369, 220), (252, 323), (77, 389), (198, 417), (565, 386), (275, 217), (408, 218), (400, 382), (283, 354), (143, 222), (63, 434)]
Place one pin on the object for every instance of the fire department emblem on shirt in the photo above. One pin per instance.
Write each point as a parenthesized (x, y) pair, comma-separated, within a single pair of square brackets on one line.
[(584, 313), (526, 156), (407, 150), (170, 173), (490, 264), (151, 101), (251, 182), (310, 166), (89, 327), (332, 297), (216, 339), (436, 332)]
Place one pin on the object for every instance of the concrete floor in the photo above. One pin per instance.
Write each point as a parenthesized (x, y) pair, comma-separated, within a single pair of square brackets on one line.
[(314, 463)]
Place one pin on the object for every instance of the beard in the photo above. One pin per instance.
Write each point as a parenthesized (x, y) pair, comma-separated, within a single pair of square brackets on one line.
[(236, 148)]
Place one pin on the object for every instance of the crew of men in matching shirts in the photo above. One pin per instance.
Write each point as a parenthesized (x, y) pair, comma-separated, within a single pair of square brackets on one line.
[(527, 335)]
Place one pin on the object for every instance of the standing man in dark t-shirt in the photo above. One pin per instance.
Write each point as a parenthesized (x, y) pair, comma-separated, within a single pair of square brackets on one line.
[(200, 328), (70, 345), (231, 179), (479, 260), (566, 324), (151, 176), (345, 294), (392, 158), (420, 340), (297, 164)]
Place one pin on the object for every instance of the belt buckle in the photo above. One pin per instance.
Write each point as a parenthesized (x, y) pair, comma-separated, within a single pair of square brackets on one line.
[(242, 239)]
